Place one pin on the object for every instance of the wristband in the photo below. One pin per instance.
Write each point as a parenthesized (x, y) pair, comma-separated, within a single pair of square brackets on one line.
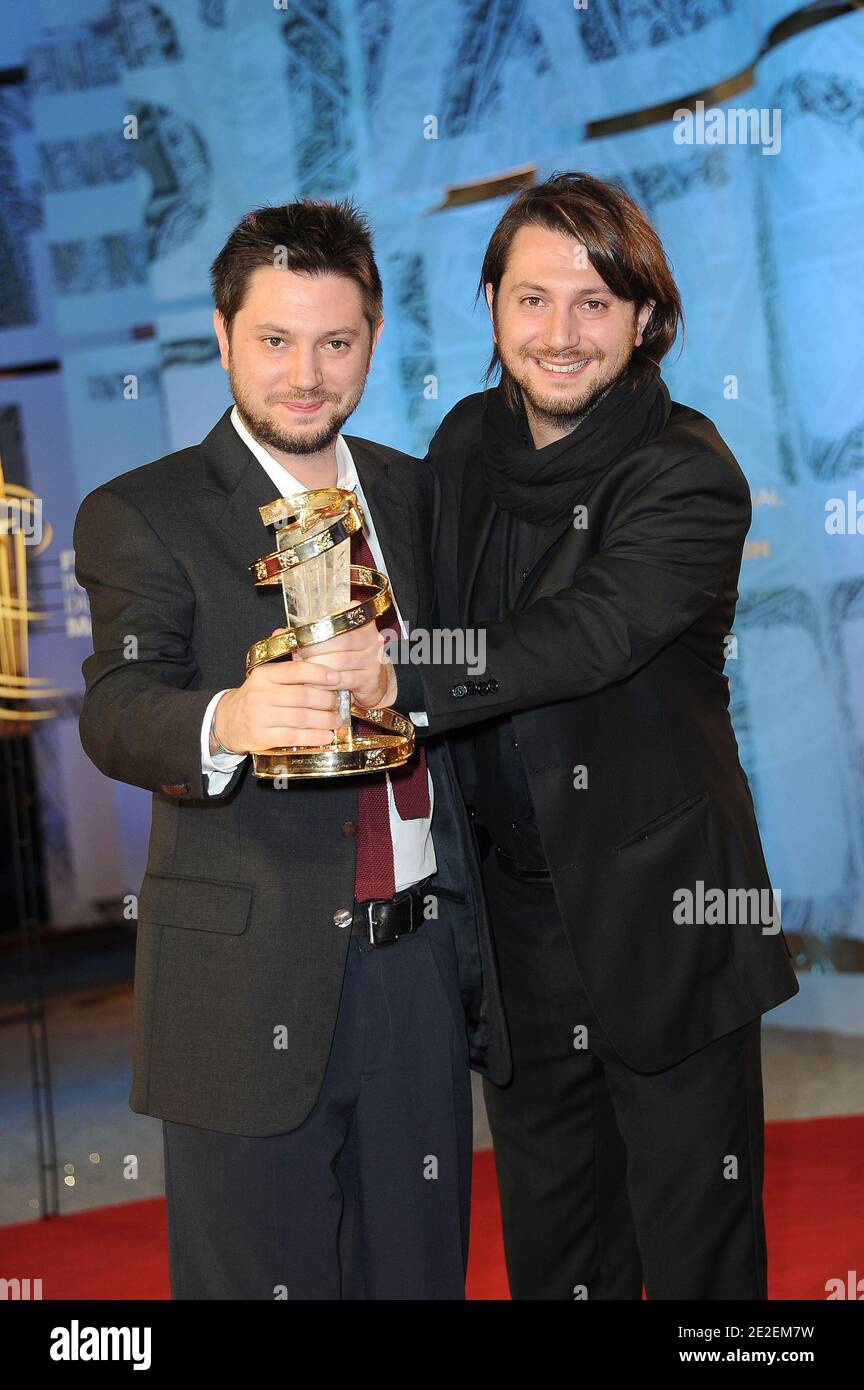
[(214, 733)]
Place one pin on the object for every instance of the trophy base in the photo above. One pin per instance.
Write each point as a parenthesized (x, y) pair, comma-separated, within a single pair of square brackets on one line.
[(349, 757)]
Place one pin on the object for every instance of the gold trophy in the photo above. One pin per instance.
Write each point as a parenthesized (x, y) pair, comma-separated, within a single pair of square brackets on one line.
[(312, 562)]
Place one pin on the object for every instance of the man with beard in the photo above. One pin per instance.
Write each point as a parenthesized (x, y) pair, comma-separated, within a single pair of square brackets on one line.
[(594, 529), (308, 994)]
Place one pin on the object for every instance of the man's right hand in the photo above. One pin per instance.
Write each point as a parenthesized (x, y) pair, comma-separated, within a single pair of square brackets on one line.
[(280, 703)]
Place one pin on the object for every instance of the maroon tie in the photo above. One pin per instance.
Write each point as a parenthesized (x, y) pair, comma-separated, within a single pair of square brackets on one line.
[(374, 871)]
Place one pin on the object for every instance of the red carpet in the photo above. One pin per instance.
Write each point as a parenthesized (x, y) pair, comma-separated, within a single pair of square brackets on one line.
[(813, 1204)]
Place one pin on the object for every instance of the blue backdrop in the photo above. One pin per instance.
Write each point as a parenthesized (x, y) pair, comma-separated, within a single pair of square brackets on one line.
[(106, 244)]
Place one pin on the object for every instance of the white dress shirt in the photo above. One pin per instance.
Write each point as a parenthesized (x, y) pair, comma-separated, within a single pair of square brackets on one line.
[(413, 851)]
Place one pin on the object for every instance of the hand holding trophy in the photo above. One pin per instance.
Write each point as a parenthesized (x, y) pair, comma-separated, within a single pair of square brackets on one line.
[(312, 564)]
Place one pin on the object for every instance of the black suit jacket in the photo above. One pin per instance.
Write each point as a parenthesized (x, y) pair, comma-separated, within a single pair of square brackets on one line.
[(612, 659), (236, 937)]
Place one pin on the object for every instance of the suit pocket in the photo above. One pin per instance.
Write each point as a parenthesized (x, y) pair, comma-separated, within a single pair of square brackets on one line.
[(670, 817), (197, 903), (450, 894)]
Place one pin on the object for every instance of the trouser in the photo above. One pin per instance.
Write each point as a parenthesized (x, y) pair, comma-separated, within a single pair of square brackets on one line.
[(369, 1197), (609, 1176)]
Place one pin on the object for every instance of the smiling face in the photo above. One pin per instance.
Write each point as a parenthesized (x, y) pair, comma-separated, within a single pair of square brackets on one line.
[(560, 332), (297, 358)]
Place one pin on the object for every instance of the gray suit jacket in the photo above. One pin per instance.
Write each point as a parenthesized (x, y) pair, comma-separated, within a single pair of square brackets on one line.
[(236, 937)]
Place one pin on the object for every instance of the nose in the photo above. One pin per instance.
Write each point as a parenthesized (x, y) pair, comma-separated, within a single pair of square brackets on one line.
[(562, 329), (304, 373)]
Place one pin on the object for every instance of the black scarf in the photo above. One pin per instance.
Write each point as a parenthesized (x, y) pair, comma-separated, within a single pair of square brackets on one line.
[(543, 485)]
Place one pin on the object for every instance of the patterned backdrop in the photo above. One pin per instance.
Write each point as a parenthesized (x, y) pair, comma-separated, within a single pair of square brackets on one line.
[(416, 110)]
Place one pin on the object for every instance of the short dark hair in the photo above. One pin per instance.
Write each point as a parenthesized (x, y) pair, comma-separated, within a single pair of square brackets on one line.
[(312, 237), (620, 243)]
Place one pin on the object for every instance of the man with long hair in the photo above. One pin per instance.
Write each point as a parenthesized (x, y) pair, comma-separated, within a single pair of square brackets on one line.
[(593, 529)]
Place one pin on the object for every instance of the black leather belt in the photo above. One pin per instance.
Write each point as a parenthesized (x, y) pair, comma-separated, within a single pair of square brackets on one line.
[(383, 920), (511, 867)]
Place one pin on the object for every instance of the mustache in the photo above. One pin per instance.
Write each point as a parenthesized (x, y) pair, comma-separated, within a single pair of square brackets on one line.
[(330, 396)]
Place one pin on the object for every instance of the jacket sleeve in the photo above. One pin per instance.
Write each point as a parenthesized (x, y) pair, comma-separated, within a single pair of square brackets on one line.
[(217, 767), (661, 564), (141, 716)]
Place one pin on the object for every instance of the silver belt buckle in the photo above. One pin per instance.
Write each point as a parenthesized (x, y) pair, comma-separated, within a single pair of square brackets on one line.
[(371, 930)]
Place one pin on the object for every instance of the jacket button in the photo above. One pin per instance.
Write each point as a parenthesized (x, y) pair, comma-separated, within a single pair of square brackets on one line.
[(492, 686), (343, 918), (458, 691), (349, 829), (471, 687)]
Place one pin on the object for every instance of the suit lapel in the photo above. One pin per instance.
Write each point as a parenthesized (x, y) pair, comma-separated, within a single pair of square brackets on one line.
[(232, 470)]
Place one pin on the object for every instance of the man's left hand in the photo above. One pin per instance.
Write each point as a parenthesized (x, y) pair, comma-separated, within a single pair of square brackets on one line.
[(359, 655)]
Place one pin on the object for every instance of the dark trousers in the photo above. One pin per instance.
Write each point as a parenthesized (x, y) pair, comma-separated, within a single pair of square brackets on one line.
[(609, 1176), (369, 1197)]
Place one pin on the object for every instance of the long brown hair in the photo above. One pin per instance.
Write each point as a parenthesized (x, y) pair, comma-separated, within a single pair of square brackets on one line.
[(620, 243)]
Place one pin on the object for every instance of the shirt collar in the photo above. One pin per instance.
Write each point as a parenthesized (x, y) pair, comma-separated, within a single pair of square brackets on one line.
[(346, 471)]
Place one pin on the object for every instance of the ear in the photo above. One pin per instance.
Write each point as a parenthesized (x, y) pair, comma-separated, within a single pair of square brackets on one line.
[(222, 337), (375, 336), (642, 319), (490, 300)]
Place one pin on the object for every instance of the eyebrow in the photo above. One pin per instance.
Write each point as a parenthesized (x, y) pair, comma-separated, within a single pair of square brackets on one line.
[(286, 332), (542, 289)]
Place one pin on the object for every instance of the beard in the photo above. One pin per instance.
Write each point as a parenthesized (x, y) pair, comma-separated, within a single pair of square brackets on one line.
[(566, 410), (275, 435)]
